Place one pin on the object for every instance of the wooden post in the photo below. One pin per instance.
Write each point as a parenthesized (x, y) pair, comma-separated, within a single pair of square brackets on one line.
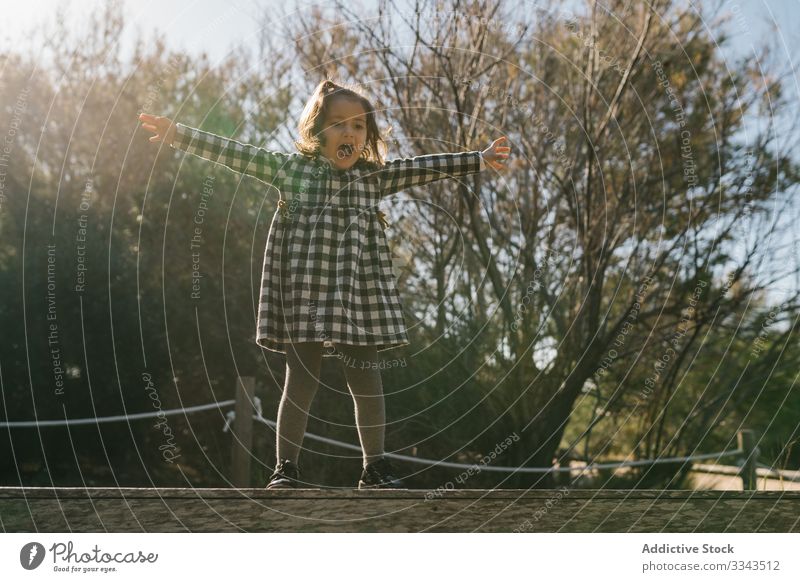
[(242, 431), (747, 443)]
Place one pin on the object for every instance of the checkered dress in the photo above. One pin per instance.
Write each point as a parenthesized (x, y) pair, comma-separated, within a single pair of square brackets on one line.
[(328, 272)]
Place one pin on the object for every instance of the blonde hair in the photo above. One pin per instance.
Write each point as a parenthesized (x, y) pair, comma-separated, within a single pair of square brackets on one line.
[(312, 121)]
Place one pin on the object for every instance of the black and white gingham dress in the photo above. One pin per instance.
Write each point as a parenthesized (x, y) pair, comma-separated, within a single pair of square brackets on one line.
[(327, 272)]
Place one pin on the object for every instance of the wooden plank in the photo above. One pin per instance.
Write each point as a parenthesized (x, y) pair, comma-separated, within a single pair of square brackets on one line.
[(336, 493), (409, 510)]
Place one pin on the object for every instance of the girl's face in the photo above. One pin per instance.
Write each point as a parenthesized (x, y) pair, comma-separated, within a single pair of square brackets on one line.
[(345, 132)]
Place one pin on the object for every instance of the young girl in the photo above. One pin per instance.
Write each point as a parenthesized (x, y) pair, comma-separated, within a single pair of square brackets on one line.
[(328, 288)]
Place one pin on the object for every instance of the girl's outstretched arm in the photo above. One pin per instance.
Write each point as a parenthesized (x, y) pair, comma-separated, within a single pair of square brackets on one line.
[(399, 174), (265, 165)]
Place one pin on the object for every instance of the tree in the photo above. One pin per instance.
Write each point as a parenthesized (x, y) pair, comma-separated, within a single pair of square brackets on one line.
[(120, 215), (617, 230)]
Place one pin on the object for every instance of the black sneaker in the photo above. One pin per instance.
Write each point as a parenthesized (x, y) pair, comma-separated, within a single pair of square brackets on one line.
[(286, 475), (380, 474)]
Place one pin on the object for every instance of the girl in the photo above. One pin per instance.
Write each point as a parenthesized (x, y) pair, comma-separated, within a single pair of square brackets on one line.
[(327, 282)]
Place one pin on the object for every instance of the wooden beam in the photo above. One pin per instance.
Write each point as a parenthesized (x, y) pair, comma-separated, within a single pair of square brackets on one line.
[(409, 510)]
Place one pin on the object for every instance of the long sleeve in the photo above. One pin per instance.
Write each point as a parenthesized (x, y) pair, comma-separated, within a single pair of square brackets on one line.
[(265, 165), (399, 174)]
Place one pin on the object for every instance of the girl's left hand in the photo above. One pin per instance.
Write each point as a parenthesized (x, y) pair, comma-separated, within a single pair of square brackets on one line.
[(496, 154)]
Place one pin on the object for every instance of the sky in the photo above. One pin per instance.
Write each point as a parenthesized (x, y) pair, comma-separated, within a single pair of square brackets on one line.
[(216, 25)]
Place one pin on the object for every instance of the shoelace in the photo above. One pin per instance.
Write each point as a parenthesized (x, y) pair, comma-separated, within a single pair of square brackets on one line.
[(281, 468)]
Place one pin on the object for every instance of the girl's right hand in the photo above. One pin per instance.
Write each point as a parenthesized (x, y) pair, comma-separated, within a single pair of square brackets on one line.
[(162, 127)]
